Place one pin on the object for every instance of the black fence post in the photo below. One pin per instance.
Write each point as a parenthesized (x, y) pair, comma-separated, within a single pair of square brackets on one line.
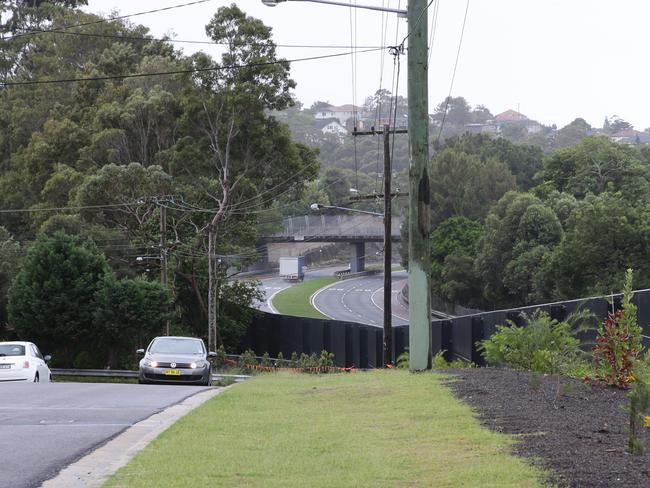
[(477, 336), (446, 343)]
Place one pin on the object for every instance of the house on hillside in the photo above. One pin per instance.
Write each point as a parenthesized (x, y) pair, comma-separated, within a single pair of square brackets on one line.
[(330, 126), (631, 136), (342, 113), (509, 116)]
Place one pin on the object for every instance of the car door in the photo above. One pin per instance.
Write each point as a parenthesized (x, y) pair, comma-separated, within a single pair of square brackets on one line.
[(37, 357)]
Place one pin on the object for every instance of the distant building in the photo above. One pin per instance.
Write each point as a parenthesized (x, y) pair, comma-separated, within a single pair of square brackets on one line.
[(631, 136), (510, 116), (330, 126), (342, 113)]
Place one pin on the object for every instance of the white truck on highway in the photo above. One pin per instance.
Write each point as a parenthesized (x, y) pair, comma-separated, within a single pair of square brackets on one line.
[(292, 268)]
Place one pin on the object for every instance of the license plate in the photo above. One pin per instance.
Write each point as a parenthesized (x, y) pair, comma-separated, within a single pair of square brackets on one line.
[(173, 372), (5, 366)]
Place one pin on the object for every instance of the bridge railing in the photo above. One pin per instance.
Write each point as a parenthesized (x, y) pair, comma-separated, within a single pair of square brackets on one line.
[(337, 225)]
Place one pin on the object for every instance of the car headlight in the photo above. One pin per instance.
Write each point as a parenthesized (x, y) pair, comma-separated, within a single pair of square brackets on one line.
[(198, 364), (150, 363)]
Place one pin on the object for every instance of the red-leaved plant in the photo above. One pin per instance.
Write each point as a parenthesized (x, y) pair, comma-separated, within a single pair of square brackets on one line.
[(618, 344)]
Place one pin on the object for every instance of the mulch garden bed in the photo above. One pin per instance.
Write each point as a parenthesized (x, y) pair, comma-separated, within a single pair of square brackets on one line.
[(577, 432)]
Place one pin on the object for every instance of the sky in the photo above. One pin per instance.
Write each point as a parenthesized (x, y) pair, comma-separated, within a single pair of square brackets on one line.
[(553, 60)]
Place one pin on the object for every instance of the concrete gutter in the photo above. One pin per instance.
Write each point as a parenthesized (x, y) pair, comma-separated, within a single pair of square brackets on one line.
[(93, 470)]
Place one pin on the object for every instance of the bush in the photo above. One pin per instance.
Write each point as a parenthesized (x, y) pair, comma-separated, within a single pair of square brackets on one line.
[(639, 405), (544, 345), (618, 344)]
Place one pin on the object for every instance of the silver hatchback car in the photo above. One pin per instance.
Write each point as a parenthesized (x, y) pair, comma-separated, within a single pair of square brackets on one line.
[(176, 360)]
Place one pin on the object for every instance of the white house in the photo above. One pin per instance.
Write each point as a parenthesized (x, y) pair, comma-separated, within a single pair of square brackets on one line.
[(330, 126), (342, 113)]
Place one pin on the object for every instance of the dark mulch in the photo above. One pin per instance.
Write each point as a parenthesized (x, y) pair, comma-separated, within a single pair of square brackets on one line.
[(577, 432)]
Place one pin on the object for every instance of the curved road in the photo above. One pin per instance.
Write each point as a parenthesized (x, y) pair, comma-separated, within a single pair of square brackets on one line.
[(361, 300), (273, 285)]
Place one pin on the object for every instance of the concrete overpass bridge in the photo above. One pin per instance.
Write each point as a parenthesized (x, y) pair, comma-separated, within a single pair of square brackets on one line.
[(355, 229)]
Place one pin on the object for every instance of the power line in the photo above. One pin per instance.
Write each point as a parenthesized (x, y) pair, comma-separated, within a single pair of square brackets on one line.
[(176, 72), (104, 20), (453, 76), (213, 43)]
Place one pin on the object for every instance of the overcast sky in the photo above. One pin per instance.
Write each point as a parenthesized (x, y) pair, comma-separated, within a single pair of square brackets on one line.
[(555, 60)]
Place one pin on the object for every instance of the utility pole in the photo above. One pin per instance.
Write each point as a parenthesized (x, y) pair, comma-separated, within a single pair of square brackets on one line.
[(419, 274), (388, 279), (163, 252)]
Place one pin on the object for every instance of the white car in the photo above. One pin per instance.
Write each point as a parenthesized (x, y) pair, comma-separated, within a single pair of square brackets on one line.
[(22, 361)]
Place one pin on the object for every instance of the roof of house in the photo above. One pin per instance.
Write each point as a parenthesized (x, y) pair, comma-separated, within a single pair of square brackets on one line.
[(344, 108), (631, 135), (510, 116)]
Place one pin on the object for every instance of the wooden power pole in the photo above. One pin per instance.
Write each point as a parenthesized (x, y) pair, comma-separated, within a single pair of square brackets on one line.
[(419, 273), (388, 249), (388, 279), (163, 252)]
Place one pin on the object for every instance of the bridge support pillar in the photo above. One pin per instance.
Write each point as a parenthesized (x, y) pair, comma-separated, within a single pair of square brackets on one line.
[(357, 257)]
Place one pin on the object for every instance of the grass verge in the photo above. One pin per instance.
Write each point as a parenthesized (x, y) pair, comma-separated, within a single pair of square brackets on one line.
[(295, 300), (367, 429)]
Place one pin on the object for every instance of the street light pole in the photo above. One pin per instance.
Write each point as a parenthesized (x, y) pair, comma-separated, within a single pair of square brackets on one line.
[(419, 275), (399, 12)]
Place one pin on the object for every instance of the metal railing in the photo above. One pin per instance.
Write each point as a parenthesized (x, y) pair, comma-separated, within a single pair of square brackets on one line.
[(123, 373)]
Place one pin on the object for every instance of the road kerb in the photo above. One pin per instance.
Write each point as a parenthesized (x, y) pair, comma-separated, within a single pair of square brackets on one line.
[(95, 468)]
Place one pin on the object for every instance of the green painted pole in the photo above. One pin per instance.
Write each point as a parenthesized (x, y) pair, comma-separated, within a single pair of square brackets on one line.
[(419, 274)]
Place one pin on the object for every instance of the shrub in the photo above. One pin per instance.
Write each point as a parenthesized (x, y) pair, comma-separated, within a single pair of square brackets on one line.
[(403, 360), (639, 405), (618, 343), (439, 362), (544, 345)]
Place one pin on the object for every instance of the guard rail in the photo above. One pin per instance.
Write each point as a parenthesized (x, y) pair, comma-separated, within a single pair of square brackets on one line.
[(123, 373)]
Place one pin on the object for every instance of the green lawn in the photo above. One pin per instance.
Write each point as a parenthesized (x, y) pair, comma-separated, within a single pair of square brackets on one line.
[(368, 429), (295, 300)]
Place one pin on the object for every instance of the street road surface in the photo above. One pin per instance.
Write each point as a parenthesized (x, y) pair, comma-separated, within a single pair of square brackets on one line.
[(362, 300), (46, 426), (273, 285)]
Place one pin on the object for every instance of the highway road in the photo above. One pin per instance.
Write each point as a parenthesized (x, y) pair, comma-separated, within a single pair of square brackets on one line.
[(361, 300), (46, 426), (274, 284)]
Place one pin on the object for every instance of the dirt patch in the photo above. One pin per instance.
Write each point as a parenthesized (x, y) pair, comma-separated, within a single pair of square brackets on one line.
[(577, 432)]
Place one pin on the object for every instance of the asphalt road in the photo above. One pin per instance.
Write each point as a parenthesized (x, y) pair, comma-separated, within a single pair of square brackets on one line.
[(274, 284), (46, 426), (361, 300)]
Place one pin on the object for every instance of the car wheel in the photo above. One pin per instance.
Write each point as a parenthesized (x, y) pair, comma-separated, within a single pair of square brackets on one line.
[(141, 381), (36, 378), (50, 378)]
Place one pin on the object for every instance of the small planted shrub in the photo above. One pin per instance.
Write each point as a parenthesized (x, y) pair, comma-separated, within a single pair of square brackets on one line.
[(403, 360), (544, 345), (639, 406), (618, 343)]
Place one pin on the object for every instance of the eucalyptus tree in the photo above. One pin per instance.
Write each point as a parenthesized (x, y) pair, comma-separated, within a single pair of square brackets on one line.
[(242, 158)]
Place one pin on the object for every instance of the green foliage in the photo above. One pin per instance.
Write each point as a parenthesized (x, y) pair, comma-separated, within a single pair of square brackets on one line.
[(10, 258), (618, 343), (402, 361), (129, 312), (52, 301), (543, 345), (639, 407), (266, 360), (439, 362), (523, 160), (465, 185), (594, 166)]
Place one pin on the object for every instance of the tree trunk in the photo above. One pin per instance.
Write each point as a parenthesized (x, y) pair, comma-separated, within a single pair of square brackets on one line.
[(214, 335)]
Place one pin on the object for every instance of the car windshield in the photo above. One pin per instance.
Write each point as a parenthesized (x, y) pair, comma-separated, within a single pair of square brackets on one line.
[(176, 346), (12, 350)]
